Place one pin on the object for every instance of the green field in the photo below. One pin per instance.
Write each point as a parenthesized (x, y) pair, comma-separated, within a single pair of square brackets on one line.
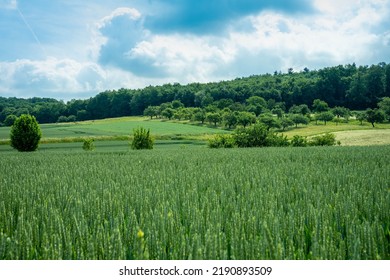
[(112, 130), (192, 202), (111, 146), (316, 129), (196, 203), (349, 134), (118, 127)]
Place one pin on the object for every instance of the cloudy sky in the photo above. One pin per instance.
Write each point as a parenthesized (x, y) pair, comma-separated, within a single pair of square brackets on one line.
[(75, 49)]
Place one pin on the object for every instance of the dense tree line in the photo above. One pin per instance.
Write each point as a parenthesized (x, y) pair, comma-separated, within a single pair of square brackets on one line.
[(349, 86)]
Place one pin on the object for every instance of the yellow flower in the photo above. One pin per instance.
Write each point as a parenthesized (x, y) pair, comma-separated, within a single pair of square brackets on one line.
[(140, 234)]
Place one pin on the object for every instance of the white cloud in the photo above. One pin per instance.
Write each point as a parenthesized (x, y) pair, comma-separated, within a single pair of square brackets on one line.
[(302, 42), (132, 13), (117, 34), (126, 54), (337, 33), (64, 79), (187, 58), (50, 77)]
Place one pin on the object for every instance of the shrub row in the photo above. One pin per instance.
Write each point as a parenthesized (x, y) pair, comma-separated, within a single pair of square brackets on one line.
[(259, 136)]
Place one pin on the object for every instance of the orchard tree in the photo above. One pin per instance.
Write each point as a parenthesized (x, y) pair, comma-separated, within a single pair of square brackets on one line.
[(213, 118), (230, 119), (341, 112), (384, 105), (324, 116), (199, 116), (299, 119), (152, 111), (286, 122), (183, 113), (25, 134), (361, 116), (168, 113), (337, 120), (375, 116), (269, 121), (302, 109), (246, 118)]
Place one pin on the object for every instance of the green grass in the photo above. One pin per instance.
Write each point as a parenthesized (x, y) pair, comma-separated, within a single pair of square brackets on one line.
[(349, 134), (197, 203), (112, 128), (110, 146), (120, 129), (312, 129)]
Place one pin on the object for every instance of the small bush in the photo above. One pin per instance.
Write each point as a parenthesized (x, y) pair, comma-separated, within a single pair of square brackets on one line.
[(258, 135), (222, 141), (327, 139), (299, 141), (142, 139), (88, 145), (275, 140), (25, 134), (254, 136)]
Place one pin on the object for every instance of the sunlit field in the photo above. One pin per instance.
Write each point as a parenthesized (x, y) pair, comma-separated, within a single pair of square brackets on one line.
[(117, 127), (364, 137), (196, 203)]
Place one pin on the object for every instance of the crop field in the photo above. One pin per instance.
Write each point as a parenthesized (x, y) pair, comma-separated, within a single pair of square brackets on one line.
[(196, 203)]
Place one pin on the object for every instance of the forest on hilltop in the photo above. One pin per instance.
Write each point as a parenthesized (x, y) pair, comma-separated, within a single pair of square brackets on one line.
[(350, 86)]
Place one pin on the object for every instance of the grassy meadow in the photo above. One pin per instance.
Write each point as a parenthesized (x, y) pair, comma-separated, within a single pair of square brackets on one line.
[(118, 128), (182, 200)]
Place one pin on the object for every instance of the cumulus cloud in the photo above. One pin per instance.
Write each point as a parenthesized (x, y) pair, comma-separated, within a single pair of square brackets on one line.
[(120, 32), (186, 41), (51, 77), (188, 57), (267, 41), (64, 78), (131, 13), (335, 34), (129, 46)]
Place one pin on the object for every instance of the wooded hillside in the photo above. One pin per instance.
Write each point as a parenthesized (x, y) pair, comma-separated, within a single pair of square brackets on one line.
[(350, 86)]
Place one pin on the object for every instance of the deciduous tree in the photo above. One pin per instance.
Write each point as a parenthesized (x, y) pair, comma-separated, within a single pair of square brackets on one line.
[(375, 116), (25, 134)]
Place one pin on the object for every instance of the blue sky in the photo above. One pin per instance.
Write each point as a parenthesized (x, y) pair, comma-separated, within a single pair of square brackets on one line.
[(75, 49)]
